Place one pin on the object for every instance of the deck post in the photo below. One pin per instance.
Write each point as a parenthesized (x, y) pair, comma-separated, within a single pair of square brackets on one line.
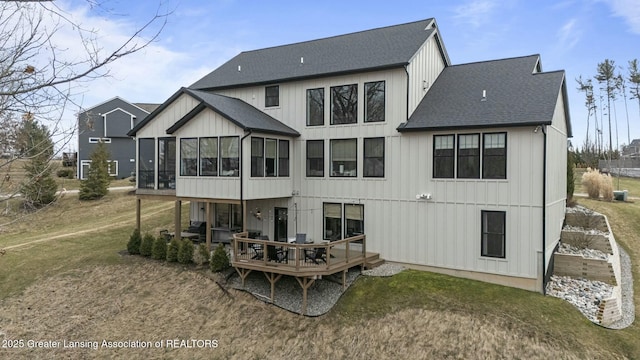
[(305, 283), (272, 279), (208, 226), (243, 274), (177, 219), (138, 203), (344, 280), (244, 216)]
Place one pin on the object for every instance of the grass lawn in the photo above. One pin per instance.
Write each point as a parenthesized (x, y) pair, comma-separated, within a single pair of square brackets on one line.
[(12, 174), (70, 281)]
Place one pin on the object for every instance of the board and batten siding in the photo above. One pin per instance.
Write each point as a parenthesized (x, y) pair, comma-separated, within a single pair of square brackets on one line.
[(423, 69), (266, 187), (445, 231), (158, 127), (292, 109), (556, 178), (207, 124)]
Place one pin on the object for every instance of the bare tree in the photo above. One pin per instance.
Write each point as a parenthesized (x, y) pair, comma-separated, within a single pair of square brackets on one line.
[(634, 79), (590, 152), (606, 76), (622, 86), (40, 75)]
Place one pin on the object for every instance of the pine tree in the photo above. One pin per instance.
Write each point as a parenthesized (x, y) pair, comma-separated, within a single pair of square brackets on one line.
[(34, 143), (97, 183)]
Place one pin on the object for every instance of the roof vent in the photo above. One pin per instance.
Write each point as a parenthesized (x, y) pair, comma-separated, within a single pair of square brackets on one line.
[(484, 95), (239, 68), (301, 60)]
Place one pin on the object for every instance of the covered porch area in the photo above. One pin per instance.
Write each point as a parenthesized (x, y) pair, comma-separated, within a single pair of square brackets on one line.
[(212, 221)]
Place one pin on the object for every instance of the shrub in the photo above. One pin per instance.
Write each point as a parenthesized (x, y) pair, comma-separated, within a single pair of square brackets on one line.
[(570, 175), (591, 180), (606, 187), (159, 251), (219, 259), (65, 173), (133, 246), (172, 251), (202, 255), (146, 245), (185, 251)]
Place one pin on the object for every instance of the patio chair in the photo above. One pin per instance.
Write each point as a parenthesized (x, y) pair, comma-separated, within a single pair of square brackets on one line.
[(277, 254), (257, 248), (315, 255), (165, 235)]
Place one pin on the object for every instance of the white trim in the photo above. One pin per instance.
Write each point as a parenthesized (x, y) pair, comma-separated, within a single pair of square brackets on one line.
[(104, 118), (95, 140), (113, 161), (81, 167), (88, 162), (110, 100)]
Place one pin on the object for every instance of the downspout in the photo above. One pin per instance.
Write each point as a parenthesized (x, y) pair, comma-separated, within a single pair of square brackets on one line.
[(242, 209), (544, 210)]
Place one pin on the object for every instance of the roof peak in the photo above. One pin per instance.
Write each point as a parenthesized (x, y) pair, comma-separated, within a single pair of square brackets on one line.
[(427, 21), (367, 50)]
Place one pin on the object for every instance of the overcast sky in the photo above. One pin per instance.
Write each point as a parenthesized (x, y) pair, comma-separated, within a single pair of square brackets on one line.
[(572, 35)]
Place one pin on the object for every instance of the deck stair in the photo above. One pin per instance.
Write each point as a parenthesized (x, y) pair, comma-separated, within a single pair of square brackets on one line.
[(372, 261)]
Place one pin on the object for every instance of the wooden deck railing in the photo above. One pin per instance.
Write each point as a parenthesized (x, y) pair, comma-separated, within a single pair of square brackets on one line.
[(290, 257)]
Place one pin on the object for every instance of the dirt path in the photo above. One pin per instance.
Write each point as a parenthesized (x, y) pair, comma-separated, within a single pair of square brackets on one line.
[(93, 229)]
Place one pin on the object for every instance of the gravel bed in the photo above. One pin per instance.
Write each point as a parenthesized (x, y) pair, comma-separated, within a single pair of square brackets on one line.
[(579, 209), (626, 281), (384, 270), (587, 253), (586, 294), (322, 295), (586, 231)]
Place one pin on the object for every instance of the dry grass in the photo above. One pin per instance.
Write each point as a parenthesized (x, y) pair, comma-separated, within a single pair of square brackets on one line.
[(77, 287), (12, 174), (619, 183), (157, 302)]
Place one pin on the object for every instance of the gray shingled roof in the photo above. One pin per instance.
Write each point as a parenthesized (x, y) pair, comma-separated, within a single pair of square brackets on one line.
[(148, 107), (380, 48), (515, 96), (237, 111)]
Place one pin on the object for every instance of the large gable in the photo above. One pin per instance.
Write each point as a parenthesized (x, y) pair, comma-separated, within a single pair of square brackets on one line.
[(235, 110), (380, 48), (506, 92)]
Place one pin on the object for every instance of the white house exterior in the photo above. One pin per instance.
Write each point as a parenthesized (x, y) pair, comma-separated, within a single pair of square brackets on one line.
[(458, 169)]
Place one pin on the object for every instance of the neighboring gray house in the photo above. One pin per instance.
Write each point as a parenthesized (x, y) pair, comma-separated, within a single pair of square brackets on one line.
[(632, 150), (109, 122)]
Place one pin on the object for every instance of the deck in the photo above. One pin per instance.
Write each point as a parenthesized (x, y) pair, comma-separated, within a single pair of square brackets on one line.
[(289, 259)]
